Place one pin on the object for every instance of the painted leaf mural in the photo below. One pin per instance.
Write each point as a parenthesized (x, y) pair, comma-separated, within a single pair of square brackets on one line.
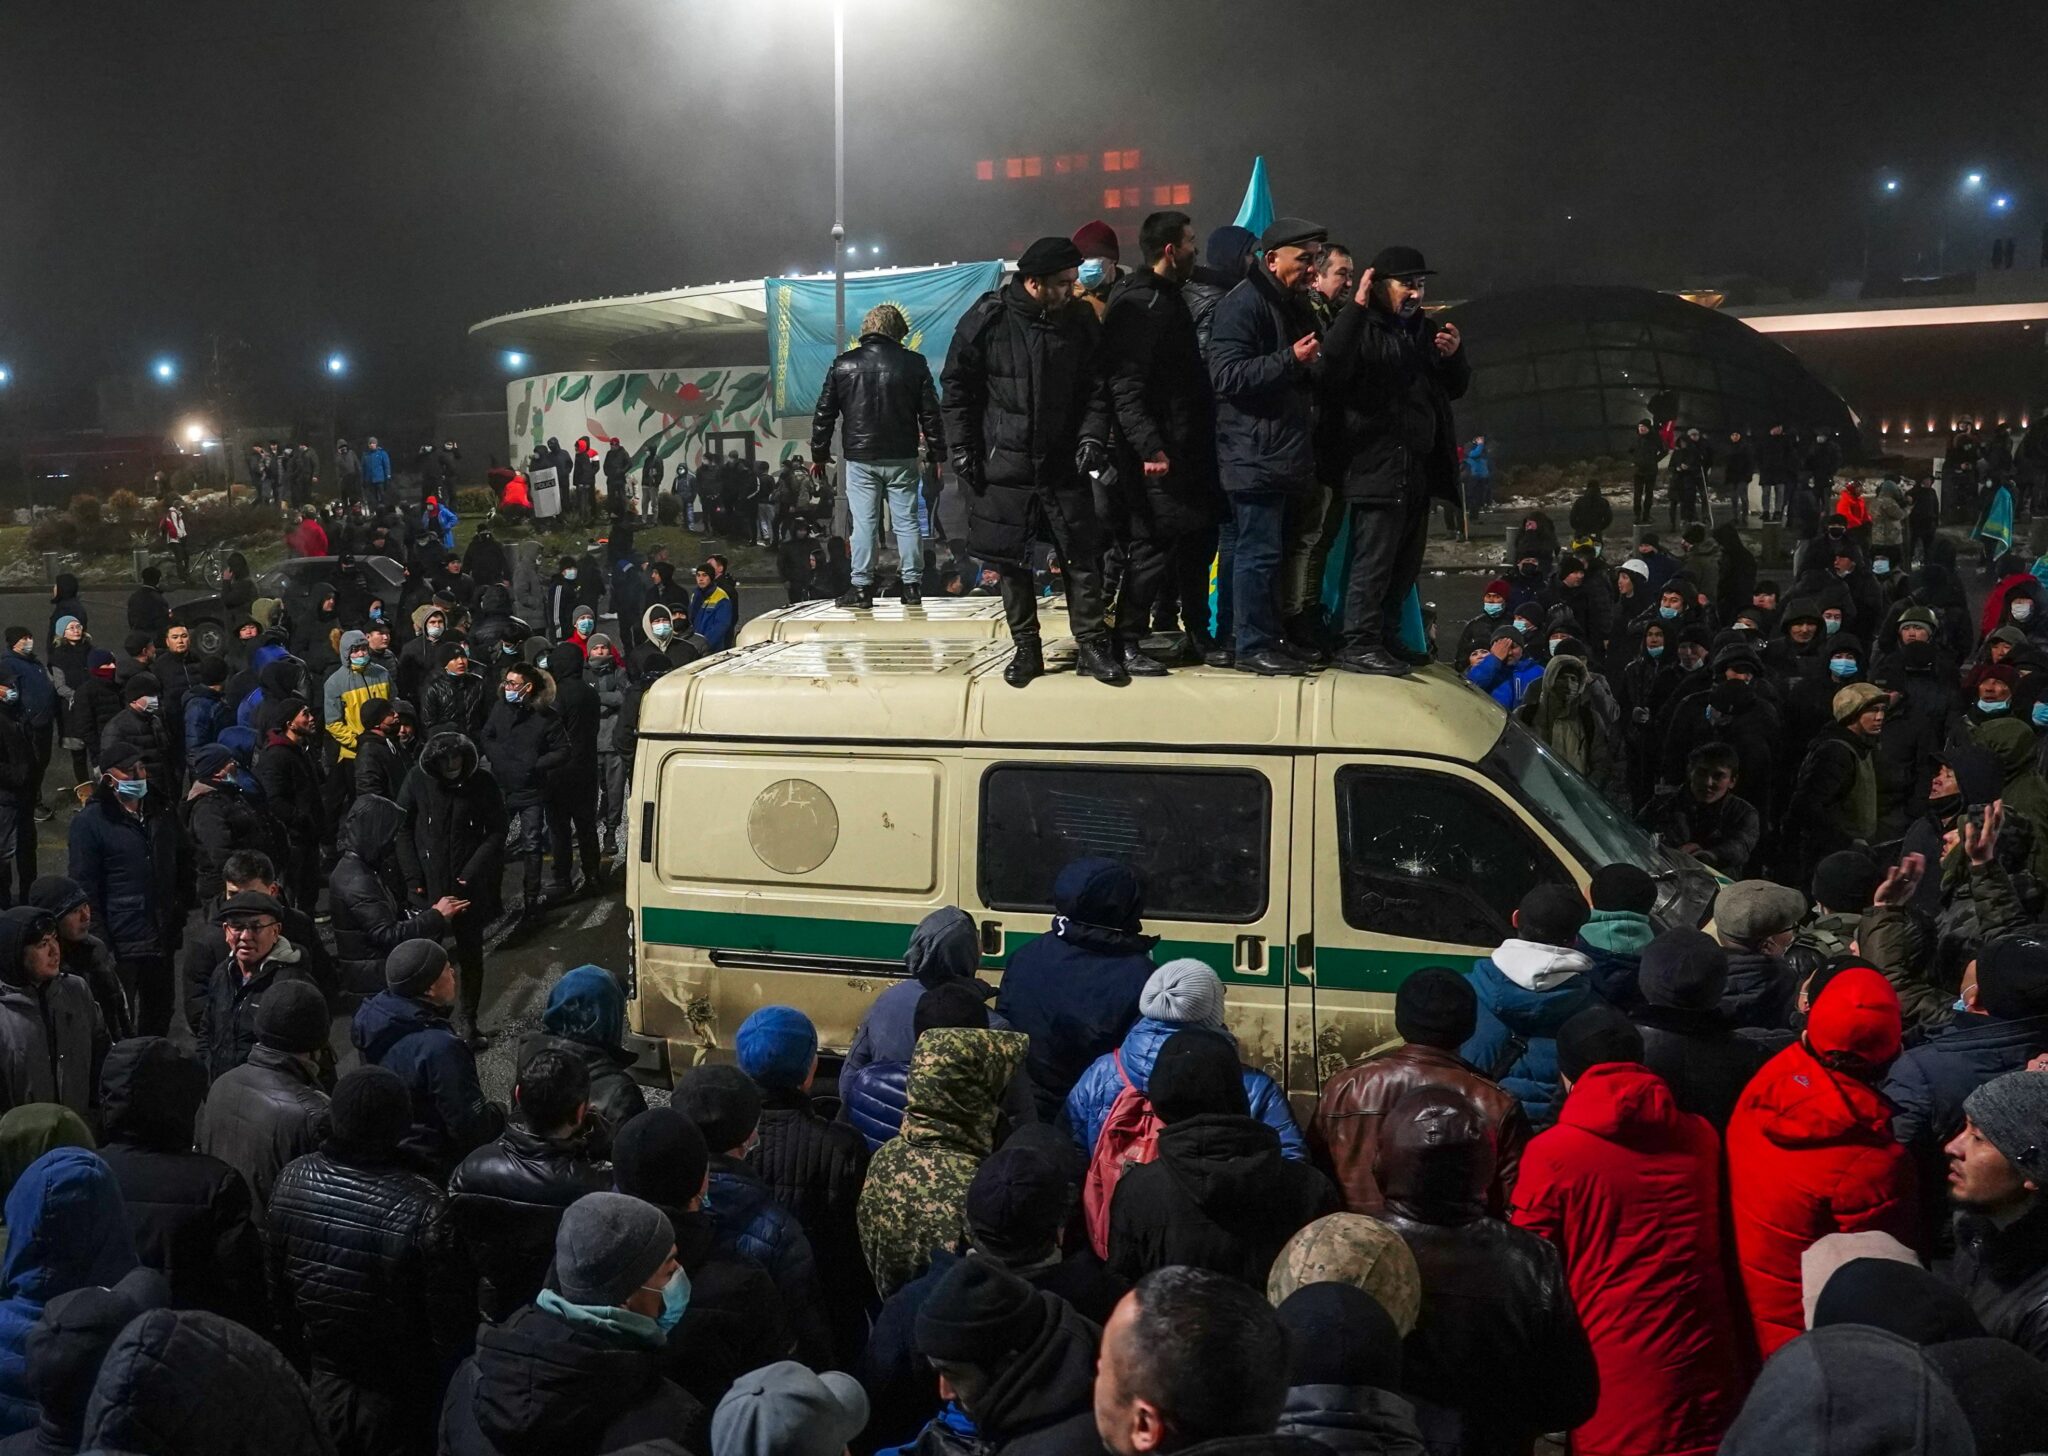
[(659, 412), (610, 390), (575, 391)]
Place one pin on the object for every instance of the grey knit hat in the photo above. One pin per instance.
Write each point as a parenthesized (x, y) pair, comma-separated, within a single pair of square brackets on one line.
[(1185, 992), (2012, 1113), (608, 1246)]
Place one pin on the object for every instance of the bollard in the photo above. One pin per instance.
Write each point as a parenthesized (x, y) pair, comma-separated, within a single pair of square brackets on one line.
[(50, 566)]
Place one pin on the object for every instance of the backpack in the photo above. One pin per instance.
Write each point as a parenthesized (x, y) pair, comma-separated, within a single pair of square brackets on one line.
[(1130, 1136)]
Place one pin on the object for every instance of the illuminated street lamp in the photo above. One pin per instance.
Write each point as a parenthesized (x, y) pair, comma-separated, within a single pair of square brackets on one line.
[(6, 376), (195, 432), (2000, 203), (165, 370), (1974, 179), (514, 359), (336, 364)]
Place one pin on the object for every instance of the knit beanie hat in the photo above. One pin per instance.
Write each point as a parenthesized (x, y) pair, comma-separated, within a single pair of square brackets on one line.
[(785, 1409), (1097, 239), (1846, 880), (293, 1018), (608, 1246), (1623, 887), (414, 965), (1196, 1072), (1017, 1203), (1594, 1036), (1825, 1256), (1185, 992), (56, 893), (1685, 969), (950, 1003), (1551, 915), (724, 1103), (978, 1313), (1436, 1007), (777, 1046), (2012, 976), (2012, 1113), (1902, 1298), (1340, 1335), (661, 1157), (370, 1110), (2002, 1389)]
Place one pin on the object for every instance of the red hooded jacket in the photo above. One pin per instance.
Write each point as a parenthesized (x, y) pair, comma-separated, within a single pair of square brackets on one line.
[(1629, 1190), (1810, 1150)]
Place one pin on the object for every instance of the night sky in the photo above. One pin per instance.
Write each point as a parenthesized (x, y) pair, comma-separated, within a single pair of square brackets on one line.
[(374, 176)]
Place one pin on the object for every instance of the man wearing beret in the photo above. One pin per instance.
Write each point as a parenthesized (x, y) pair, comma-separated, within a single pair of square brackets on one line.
[(1997, 1166), (1393, 373), (1263, 356), (1027, 418)]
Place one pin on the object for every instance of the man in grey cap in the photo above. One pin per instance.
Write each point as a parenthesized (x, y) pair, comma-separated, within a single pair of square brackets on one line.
[(1997, 1166), (1027, 419), (1390, 377), (1756, 920), (1263, 360)]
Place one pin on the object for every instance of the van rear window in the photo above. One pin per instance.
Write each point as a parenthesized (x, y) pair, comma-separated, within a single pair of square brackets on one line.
[(1198, 838)]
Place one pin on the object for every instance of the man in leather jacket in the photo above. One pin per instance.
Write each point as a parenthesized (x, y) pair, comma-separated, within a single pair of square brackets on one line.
[(1435, 1011), (880, 395), (1027, 420)]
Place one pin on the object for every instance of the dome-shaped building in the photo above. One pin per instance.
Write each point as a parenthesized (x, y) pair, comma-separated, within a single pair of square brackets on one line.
[(1562, 374)]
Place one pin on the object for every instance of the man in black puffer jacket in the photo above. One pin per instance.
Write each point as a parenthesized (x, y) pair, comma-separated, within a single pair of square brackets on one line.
[(219, 820), (267, 1112), (453, 843), (366, 1279), (572, 792), (507, 1197), (191, 1211), (453, 699), (1393, 372), (526, 747), (289, 774), (1027, 419), (189, 1383), (813, 1166), (366, 896)]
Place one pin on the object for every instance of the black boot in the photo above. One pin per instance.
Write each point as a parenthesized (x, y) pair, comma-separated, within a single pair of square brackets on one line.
[(913, 594), (1099, 659), (1027, 661), (859, 596), (1139, 663)]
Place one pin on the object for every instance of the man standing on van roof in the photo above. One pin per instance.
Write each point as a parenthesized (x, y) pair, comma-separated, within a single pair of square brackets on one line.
[(1027, 416)]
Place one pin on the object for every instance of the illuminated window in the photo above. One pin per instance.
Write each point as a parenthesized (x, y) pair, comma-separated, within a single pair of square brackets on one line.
[(1131, 160), (1013, 167), (984, 171), (1161, 196), (1033, 166), (1112, 198), (1112, 161), (1182, 194), (1131, 196)]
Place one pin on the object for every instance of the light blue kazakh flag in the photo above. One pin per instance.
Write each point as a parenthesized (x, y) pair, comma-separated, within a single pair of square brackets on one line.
[(1256, 211), (800, 343)]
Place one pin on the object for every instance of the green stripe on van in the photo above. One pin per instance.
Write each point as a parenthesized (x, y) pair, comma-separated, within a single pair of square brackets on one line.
[(882, 941), (1343, 968)]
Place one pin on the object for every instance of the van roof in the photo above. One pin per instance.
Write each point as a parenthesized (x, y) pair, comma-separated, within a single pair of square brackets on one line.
[(977, 617), (950, 690)]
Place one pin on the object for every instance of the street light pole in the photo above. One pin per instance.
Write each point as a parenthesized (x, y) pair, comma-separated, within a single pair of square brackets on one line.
[(838, 175)]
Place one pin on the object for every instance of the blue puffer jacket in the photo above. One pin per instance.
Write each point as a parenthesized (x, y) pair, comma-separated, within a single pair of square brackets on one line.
[(1510, 1013), (38, 693), (67, 1228), (205, 715), (1506, 685), (1264, 396), (450, 1117), (1089, 1103), (1074, 991), (874, 1096), (749, 1218), (1928, 1083)]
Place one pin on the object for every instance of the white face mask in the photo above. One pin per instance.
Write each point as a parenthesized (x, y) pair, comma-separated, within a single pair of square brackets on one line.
[(2022, 610)]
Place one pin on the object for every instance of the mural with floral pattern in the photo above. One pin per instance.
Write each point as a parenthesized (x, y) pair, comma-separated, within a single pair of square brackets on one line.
[(663, 411)]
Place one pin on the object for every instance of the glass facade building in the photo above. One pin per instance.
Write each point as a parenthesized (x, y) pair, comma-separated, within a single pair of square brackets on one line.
[(1564, 374)]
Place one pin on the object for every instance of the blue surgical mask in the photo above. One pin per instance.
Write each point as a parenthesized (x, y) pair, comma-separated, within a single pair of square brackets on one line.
[(1881, 567), (1653, 652), (583, 625), (359, 660), (512, 695), (661, 629), (1668, 613), (1987, 705), (675, 1300), (376, 614), (1842, 666), (1493, 609), (568, 573), (1831, 625), (1095, 272), (132, 788)]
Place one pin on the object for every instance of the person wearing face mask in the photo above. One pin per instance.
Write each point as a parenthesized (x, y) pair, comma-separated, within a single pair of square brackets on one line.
[(525, 743), (1394, 373), (1026, 414), (454, 699), (416, 658), (452, 843), (1992, 689), (125, 859), (668, 634), (1644, 686), (405, 1029), (347, 689), (139, 727), (565, 592), (1493, 606)]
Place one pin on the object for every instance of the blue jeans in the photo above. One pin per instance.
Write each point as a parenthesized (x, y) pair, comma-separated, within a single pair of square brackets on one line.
[(1261, 518), (867, 482)]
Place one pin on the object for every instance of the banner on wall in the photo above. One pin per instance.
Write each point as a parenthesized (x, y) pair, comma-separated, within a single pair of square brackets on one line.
[(800, 342)]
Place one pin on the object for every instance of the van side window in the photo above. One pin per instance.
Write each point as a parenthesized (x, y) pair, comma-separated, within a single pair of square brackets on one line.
[(1428, 857), (1198, 838)]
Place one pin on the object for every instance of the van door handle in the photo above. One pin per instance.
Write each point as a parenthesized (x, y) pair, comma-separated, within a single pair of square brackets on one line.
[(992, 938), (647, 832), (1251, 953), (1305, 954)]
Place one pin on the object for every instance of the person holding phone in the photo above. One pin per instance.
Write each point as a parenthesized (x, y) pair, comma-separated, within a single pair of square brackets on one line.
[(1392, 372)]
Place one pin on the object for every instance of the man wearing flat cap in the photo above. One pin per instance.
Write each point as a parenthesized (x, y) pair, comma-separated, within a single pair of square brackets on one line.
[(1393, 373), (1027, 417), (1263, 359)]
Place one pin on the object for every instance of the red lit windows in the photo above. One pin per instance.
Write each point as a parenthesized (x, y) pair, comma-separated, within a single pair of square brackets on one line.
[(1034, 166), (1112, 198), (1182, 194), (984, 171), (1013, 167), (1130, 160), (1162, 196), (1112, 161)]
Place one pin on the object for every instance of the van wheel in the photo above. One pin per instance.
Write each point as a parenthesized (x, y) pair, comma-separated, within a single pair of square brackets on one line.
[(209, 638)]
